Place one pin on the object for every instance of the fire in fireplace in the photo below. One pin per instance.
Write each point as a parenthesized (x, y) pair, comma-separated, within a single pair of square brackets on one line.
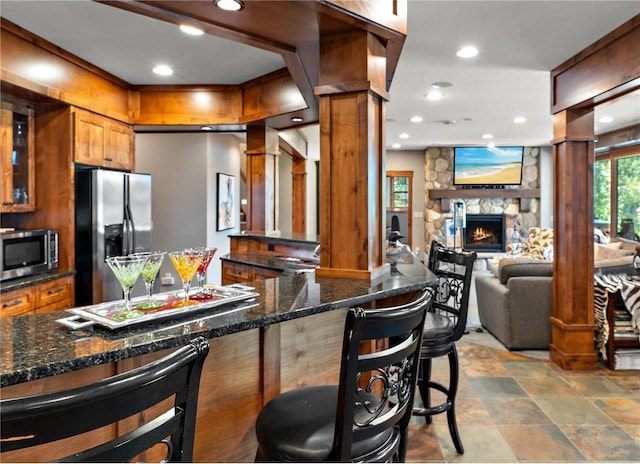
[(485, 232)]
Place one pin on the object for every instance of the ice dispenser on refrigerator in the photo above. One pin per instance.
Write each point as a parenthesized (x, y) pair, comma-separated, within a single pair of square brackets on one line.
[(113, 218)]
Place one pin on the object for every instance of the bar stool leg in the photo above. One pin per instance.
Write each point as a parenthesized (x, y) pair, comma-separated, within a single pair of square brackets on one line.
[(451, 399), (423, 386)]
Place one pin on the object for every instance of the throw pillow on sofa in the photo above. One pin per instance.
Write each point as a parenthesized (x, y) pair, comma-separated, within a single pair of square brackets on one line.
[(539, 238)]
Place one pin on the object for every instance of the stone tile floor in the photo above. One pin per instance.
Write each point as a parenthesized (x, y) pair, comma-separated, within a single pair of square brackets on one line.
[(519, 407)]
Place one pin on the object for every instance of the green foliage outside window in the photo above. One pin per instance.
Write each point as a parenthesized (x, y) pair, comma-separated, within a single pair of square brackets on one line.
[(400, 192), (601, 191), (627, 200), (628, 191)]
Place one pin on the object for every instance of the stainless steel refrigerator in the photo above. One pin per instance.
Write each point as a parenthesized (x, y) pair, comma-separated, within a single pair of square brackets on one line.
[(113, 218)]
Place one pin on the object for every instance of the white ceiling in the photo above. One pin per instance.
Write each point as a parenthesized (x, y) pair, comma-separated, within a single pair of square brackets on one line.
[(519, 43)]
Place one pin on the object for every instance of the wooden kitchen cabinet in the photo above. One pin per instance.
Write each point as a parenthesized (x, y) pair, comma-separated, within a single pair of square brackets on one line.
[(52, 295), (18, 302), (17, 135), (234, 273), (100, 141), (261, 273)]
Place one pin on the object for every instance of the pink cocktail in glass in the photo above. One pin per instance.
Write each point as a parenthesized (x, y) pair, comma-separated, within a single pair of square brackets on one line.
[(201, 273)]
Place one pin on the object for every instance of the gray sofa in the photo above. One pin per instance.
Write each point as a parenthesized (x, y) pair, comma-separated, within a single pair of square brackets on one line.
[(515, 306), (515, 301)]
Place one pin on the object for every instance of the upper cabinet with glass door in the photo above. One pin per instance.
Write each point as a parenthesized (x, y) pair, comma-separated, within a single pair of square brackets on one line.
[(17, 157)]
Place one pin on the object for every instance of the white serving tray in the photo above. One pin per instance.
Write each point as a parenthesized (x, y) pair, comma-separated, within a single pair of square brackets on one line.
[(110, 314)]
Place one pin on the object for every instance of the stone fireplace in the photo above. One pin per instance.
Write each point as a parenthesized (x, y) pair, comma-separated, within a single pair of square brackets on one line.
[(485, 232), (519, 212)]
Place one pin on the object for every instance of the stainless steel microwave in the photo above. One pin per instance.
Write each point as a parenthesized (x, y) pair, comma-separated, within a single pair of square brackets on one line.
[(28, 252)]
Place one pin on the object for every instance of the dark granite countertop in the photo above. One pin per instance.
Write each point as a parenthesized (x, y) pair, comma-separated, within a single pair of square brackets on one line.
[(22, 282), (35, 346), (287, 264), (282, 237)]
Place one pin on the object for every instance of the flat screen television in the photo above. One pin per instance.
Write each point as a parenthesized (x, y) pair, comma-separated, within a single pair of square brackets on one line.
[(487, 166)]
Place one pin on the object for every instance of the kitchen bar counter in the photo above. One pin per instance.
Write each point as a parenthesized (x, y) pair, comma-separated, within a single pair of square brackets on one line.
[(302, 239), (285, 264), (290, 336), (36, 347)]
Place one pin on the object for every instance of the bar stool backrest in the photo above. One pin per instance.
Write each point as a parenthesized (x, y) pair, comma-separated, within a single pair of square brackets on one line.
[(454, 270), (44, 418), (388, 374)]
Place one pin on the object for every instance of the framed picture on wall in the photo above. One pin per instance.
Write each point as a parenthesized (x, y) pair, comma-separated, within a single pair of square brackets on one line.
[(226, 202)]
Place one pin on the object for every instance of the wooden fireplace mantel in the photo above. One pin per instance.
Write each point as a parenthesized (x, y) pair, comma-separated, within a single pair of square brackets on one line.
[(448, 194)]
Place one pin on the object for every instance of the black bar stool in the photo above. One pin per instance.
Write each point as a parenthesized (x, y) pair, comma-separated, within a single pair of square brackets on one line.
[(364, 418), (48, 417), (444, 325)]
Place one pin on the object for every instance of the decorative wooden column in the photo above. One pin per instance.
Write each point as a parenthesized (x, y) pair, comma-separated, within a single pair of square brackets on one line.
[(572, 323), (299, 203), (605, 70), (352, 159), (262, 178)]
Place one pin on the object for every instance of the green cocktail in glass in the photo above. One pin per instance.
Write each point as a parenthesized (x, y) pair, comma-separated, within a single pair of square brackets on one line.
[(149, 273), (127, 269)]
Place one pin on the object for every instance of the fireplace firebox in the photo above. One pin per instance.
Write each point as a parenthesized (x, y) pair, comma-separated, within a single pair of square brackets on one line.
[(485, 232)]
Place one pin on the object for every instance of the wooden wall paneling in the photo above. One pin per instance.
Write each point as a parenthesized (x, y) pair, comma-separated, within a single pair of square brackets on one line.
[(609, 63), (271, 361), (77, 82), (269, 96), (210, 104), (311, 349)]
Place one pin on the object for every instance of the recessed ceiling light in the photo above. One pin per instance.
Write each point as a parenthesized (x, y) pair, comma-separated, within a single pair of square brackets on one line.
[(191, 30), (229, 5), (441, 85), (435, 95), (519, 119), (297, 119), (467, 52), (487, 136), (606, 119), (206, 128), (404, 135), (396, 146), (163, 70), (416, 119)]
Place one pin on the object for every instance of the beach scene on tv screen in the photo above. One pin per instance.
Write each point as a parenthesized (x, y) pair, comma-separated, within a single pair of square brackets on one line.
[(488, 165)]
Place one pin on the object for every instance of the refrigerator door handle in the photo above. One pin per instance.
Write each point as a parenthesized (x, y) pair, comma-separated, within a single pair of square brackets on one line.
[(127, 233), (132, 228)]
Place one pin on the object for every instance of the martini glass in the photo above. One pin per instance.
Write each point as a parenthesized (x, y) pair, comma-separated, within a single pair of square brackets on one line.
[(201, 273), (127, 269), (186, 263), (149, 274)]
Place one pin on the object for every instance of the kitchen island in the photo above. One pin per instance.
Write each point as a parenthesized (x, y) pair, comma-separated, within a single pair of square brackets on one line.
[(288, 337)]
